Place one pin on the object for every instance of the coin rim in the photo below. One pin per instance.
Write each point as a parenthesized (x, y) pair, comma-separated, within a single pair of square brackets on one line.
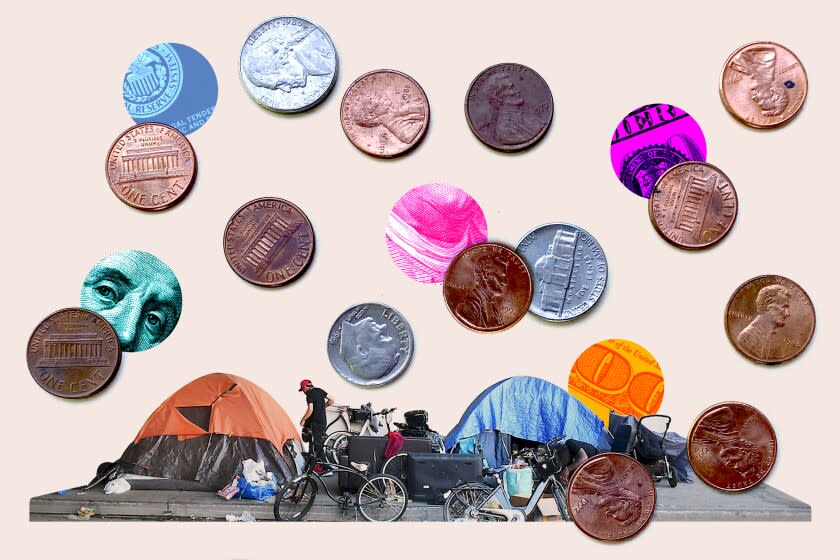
[(420, 136), (303, 269), (756, 360), (691, 435), (580, 469), (488, 330), (317, 101), (116, 364), (388, 378), (658, 229), (736, 115), (165, 206), (517, 147), (606, 271)]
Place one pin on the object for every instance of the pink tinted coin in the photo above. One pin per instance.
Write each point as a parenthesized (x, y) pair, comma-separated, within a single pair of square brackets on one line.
[(429, 226), (652, 139)]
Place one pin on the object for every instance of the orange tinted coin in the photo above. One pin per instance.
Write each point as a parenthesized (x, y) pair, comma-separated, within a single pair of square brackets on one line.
[(618, 375)]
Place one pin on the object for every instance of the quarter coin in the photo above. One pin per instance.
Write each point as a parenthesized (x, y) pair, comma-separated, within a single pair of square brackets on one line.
[(568, 269), (269, 242), (770, 319), (151, 166), (732, 446), (73, 353), (370, 344), (288, 64), (611, 497), (693, 205), (487, 287), (385, 113), (509, 107), (763, 84)]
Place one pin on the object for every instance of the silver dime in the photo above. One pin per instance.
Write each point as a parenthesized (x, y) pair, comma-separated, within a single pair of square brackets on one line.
[(288, 64), (568, 269), (370, 344)]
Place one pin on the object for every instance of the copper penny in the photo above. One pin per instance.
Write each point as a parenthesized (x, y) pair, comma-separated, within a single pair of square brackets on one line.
[(763, 84), (693, 205), (487, 287), (269, 242), (151, 166), (770, 319), (611, 497), (385, 113), (73, 353), (732, 446), (509, 107)]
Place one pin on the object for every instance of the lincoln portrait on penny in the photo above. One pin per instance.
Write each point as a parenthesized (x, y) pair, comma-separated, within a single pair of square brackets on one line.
[(720, 431), (369, 352), (480, 307), (514, 125), (404, 122), (759, 64), (761, 338), (138, 294)]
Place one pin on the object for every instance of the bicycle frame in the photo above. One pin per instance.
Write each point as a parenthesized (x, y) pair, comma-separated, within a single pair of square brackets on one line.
[(500, 494)]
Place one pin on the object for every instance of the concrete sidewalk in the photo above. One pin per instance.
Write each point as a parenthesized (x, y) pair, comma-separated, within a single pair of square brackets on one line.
[(686, 502)]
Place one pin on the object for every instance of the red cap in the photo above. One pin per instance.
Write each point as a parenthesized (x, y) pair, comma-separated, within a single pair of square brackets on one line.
[(304, 384)]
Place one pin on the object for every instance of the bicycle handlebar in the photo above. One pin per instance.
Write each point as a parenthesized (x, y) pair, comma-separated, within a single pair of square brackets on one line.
[(384, 411)]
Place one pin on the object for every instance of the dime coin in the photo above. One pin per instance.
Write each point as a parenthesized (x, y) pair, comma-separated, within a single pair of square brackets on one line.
[(151, 166), (269, 242), (288, 64), (568, 269), (487, 287), (693, 205), (763, 84), (509, 107), (770, 319), (732, 446), (611, 497), (370, 344), (385, 113), (73, 353)]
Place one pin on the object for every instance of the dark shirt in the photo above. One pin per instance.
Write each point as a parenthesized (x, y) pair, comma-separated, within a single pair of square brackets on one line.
[(318, 399), (575, 445)]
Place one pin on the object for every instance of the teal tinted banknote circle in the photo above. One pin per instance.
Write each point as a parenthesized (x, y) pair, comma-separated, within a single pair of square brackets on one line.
[(137, 294), (173, 84)]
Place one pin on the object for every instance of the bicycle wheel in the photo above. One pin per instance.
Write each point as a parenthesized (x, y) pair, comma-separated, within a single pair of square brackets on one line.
[(464, 501), (562, 503), (395, 466), (336, 444), (294, 499), (382, 498)]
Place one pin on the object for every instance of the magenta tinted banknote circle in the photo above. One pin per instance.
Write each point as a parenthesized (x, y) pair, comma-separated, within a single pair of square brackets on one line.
[(652, 139), (429, 226)]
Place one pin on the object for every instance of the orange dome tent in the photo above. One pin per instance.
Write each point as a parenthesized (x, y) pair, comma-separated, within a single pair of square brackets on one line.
[(207, 427)]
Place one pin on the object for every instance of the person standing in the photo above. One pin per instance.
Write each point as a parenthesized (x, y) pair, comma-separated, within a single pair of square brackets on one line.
[(315, 417)]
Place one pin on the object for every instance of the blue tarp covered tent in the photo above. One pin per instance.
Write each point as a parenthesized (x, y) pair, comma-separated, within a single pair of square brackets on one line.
[(524, 407)]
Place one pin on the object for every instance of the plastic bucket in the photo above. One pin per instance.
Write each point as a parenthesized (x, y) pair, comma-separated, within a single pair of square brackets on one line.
[(519, 481)]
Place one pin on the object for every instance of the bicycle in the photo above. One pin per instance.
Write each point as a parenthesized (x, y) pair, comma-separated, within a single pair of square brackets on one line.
[(380, 497), (476, 501), (336, 443)]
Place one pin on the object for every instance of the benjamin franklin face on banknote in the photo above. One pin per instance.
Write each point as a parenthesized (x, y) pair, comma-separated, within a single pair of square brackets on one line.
[(138, 294)]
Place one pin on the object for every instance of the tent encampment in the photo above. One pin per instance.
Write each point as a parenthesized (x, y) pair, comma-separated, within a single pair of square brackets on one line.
[(524, 407), (208, 427)]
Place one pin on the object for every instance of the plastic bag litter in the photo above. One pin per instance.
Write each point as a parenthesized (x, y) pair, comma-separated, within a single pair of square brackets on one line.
[(117, 486), (253, 471), (246, 516)]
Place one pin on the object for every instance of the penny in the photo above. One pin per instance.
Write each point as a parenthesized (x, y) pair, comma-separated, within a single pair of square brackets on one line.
[(611, 497), (73, 353), (151, 166), (269, 242), (288, 64), (370, 344), (770, 319), (487, 287), (568, 269), (693, 205), (763, 84), (385, 113), (732, 446), (509, 107)]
